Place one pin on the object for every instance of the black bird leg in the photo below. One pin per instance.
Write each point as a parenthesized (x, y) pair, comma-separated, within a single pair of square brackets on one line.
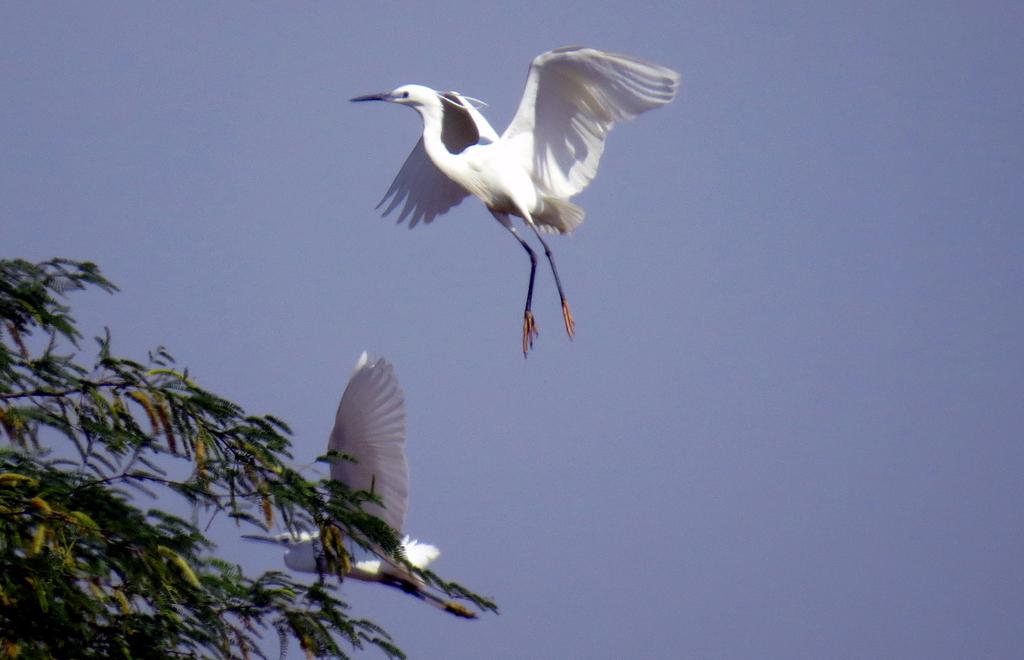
[(529, 325), (570, 324)]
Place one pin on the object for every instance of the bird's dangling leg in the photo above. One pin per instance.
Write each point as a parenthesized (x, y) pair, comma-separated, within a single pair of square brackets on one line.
[(414, 589), (529, 325), (570, 324)]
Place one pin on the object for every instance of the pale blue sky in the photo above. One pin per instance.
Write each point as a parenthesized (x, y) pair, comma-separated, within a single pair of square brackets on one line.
[(790, 424)]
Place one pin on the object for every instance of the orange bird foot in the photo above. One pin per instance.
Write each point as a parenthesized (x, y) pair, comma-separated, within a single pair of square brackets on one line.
[(570, 324), (529, 331)]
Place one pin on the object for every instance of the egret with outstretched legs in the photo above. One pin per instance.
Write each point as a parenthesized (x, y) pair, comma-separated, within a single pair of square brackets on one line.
[(548, 154), (370, 428)]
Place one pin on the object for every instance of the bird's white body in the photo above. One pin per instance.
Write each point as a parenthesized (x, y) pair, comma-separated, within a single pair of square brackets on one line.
[(490, 175), (549, 152), (303, 554), (482, 169)]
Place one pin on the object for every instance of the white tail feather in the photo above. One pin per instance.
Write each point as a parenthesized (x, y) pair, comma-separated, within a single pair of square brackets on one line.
[(559, 216), (419, 554)]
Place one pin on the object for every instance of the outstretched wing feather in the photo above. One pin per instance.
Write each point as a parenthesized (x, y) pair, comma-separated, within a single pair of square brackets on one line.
[(424, 190), (572, 99), (370, 427)]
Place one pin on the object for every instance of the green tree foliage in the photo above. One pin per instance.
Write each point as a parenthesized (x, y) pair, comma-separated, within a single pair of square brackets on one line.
[(85, 571)]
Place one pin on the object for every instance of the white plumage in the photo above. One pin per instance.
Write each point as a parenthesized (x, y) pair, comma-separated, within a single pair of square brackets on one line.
[(573, 97), (369, 427), (418, 554), (549, 152), (423, 190)]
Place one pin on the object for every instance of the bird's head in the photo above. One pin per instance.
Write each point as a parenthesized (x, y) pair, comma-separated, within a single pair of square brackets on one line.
[(416, 96), (300, 549)]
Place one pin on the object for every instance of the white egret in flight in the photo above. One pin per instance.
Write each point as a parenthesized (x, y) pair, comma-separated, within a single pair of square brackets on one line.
[(370, 427), (548, 154)]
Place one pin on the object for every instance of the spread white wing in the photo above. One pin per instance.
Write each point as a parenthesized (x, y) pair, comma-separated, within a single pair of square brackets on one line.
[(425, 190), (572, 99), (370, 427)]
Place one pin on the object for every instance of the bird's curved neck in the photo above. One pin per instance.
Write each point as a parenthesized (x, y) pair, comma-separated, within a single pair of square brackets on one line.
[(433, 126)]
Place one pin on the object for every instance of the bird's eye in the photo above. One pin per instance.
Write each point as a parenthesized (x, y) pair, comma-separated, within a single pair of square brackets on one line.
[(405, 95)]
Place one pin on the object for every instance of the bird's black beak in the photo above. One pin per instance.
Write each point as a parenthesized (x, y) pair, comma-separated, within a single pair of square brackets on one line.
[(372, 97)]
